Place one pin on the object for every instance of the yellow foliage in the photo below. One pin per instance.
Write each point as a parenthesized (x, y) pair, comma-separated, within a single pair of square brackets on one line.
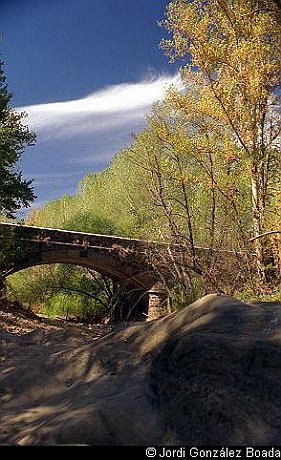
[(233, 54)]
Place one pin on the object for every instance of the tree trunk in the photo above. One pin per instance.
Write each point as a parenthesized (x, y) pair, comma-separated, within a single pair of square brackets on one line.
[(258, 216), (2, 285)]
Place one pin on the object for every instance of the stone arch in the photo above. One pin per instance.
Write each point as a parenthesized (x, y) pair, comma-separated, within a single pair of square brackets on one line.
[(120, 258)]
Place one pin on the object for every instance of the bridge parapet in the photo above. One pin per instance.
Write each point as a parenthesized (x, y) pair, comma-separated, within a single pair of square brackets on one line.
[(53, 235)]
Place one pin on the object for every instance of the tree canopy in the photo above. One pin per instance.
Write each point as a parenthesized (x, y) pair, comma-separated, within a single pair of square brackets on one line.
[(15, 191)]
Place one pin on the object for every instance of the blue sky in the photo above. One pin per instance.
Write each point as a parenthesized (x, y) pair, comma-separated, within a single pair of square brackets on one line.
[(86, 72)]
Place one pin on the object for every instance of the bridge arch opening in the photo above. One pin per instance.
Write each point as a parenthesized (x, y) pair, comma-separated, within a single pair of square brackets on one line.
[(75, 291)]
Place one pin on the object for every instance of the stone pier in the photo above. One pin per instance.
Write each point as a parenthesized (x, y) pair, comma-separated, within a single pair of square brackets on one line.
[(158, 302)]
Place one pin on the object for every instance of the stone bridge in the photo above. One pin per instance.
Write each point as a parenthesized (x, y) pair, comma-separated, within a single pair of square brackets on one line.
[(123, 259)]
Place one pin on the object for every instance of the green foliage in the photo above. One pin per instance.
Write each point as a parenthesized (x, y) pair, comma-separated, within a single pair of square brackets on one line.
[(86, 221), (62, 304), (14, 137), (57, 290), (28, 287), (11, 245), (269, 295)]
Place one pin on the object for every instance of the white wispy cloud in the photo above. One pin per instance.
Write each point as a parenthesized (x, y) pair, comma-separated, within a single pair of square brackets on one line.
[(78, 136), (105, 109), (52, 178)]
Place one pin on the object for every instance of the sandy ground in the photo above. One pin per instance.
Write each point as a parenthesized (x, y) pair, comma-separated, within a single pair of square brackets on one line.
[(209, 374)]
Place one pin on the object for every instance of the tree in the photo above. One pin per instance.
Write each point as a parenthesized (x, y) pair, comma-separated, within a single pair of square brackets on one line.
[(193, 203), (232, 53), (14, 137)]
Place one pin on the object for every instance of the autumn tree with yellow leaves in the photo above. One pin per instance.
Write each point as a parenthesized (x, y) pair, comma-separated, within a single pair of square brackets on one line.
[(231, 52)]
